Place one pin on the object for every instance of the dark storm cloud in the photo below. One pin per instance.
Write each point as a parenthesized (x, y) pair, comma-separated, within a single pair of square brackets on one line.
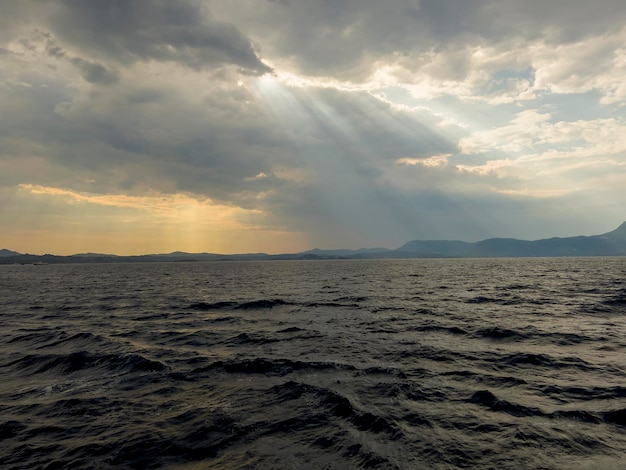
[(125, 32), (346, 38), (93, 73), (90, 71), (166, 30), (155, 134), (132, 136)]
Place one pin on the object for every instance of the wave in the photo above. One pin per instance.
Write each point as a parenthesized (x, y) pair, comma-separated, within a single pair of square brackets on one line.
[(564, 393), (266, 366), (254, 304), (336, 405), (10, 429), (541, 360), (481, 377), (615, 416), (530, 334), (331, 304), (500, 333), (83, 360), (453, 330), (617, 301), (487, 399), (36, 338), (341, 302), (351, 298)]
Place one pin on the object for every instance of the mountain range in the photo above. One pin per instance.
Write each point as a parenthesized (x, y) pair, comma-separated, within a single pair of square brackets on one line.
[(608, 244)]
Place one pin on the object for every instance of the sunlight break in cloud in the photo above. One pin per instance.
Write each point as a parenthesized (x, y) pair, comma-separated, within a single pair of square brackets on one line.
[(534, 193), (178, 206), (434, 161)]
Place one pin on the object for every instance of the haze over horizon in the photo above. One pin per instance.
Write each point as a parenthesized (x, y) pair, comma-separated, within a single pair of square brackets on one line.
[(280, 125), (603, 244)]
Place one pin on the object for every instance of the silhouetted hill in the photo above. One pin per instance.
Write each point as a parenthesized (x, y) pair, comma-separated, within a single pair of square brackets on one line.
[(437, 247), (93, 255), (608, 244), (618, 234), (346, 253)]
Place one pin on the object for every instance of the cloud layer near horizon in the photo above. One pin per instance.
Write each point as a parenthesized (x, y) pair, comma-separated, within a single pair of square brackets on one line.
[(282, 125)]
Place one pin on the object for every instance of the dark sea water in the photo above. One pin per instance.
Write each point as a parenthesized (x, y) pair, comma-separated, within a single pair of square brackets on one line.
[(410, 364)]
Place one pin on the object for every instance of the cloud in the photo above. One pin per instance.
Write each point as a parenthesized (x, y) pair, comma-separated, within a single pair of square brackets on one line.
[(434, 161), (531, 130), (340, 39), (90, 71), (548, 158), (525, 130), (175, 31), (162, 205), (333, 123)]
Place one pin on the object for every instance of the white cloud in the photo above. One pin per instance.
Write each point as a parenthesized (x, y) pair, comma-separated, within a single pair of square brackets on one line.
[(534, 193), (597, 63), (550, 159), (524, 131), (434, 161), (531, 130)]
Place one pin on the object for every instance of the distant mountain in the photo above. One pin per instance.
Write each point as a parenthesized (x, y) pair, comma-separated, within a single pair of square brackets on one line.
[(618, 234), (344, 253), (608, 244), (5, 252), (436, 247), (93, 255)]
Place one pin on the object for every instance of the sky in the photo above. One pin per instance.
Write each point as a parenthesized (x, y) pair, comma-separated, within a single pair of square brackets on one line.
[(150, 126)]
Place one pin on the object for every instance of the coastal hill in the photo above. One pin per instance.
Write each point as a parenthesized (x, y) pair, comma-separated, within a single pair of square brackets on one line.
[(608, 244)]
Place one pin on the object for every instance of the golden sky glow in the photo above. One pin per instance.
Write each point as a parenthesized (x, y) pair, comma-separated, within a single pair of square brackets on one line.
[(66, 222)]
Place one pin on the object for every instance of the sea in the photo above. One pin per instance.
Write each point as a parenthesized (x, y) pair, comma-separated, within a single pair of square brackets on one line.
[(315, 364)]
